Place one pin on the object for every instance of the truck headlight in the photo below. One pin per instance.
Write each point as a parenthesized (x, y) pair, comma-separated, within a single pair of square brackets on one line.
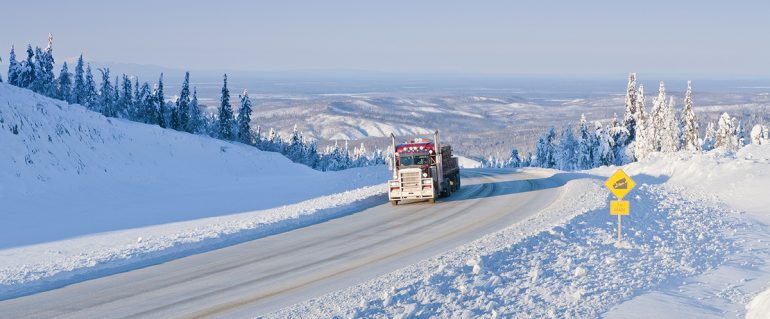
[(424, 174)]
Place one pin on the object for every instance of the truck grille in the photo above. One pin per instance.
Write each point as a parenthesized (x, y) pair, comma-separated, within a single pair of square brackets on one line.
[(410, 181)]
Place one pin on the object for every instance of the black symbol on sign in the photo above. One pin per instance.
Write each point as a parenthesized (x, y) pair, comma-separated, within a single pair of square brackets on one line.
[(620, 184)]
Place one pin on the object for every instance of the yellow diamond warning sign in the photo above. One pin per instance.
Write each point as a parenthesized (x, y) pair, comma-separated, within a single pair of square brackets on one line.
[(620, 184), (619, 207)]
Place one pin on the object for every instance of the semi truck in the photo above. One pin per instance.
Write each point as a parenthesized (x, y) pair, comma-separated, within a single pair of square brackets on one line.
[(422, 170)]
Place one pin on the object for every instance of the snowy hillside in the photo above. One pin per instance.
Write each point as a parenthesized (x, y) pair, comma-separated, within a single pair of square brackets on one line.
[(69, 172), (696, 244)]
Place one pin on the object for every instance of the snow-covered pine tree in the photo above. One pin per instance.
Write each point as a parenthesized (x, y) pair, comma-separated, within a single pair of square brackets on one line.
[(79, 86), (123, 106), (174, 115), (13, 68), (91, 97), (65, 84), (546, 149), (740, 133), (620, 138), (515, 160), (44, 63), (147, 108), (226, 120), (196, 119), (161, 100), (726, 138), (756, 134), (245, 135), (689, 123), (630, 116), (183, 104), (657, 121), (585, 145), (568, 150), (603, 146), (26, 70), (670, 135), (106, 94), (709, 138)]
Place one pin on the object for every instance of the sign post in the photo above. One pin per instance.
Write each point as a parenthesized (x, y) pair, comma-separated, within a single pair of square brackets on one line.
[(620, 184)]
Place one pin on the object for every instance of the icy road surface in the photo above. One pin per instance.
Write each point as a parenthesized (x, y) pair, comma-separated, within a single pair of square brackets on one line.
[(269, 273)]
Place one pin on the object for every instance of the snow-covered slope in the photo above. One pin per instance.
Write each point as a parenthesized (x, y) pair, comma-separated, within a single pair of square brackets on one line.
[(68, 172)]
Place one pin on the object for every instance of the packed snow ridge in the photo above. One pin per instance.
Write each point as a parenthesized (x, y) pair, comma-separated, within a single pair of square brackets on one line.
[(84, 195)]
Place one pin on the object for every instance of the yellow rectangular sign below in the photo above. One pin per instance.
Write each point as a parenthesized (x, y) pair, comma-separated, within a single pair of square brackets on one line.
[(619, 207)]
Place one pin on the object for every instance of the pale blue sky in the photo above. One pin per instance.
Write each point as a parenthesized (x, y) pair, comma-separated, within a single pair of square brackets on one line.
[(501, 37)]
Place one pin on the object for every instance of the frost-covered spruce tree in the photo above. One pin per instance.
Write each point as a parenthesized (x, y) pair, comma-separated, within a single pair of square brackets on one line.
[(689, 123), (65, 84), (568, 150), (740, 133), (226, 120), (603, 147), (79, 86), (183, 104), (13, 68), (26, 70), (148, 107), (670, 135), (756, 134), (546, 149), (657, 121), (125, 100), (245, 135), (161, 100), (726, 138), (585, 145), (106, 94), (44, 63), (630, 115), (196, 119), (620, 141), (709, 138), (91, 97), (515, 160)]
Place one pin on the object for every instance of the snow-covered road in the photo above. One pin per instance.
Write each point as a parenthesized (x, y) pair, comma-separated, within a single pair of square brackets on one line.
[(269, 273)]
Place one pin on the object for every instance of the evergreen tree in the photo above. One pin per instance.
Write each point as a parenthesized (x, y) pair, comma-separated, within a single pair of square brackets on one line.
[(226, 120), (546, 150), (620, 140), (90, 97), (515, 160), (740, 133), (630, 116), (245, 135), (65, 84), (175, 115), (13, 68), (196, 119), (726, 138), (669, 130), (26, 70), (585, 145), (79, 88), (126, 99), (183, 104), (603, 146), (148, 107), (709, 138), (567, 159), (161, 100), (44, 82), (689, 123), (657, 119), (106, 94), (757, 133)]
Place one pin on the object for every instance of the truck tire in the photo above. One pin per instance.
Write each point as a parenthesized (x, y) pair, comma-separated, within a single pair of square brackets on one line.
[(394, 202), (432, 200)]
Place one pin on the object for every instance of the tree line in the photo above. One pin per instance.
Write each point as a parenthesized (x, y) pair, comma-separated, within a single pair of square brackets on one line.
[(636, 137), (146, 103)]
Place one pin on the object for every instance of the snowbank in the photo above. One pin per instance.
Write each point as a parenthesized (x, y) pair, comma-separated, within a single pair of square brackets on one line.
[(465, 162), (85, 195)]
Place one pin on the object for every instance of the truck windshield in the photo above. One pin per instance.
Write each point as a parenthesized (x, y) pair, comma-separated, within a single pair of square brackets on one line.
[(415, 160)]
